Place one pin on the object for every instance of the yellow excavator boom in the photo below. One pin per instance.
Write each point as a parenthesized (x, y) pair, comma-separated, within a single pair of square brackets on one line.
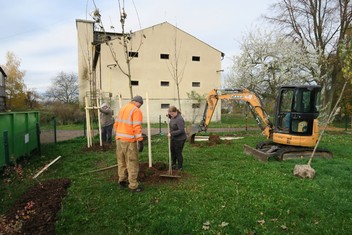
[(250, 98)]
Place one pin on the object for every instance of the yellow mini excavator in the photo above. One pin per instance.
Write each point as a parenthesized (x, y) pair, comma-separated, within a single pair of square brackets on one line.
[(296, 129)]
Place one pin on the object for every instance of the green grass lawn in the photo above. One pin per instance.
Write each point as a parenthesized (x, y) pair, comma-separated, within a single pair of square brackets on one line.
[(222, 191)]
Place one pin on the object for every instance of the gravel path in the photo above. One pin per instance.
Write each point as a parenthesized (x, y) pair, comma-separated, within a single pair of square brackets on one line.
[(61, 135)]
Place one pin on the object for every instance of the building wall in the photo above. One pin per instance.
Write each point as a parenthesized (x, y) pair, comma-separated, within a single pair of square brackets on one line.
[(150, 71), (2, 90)]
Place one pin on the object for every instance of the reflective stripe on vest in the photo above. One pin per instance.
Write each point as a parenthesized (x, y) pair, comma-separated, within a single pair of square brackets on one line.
[(129, 136), (128, 121)]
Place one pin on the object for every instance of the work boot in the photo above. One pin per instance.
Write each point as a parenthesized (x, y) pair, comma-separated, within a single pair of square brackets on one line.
[(123, 184), (137, 190)]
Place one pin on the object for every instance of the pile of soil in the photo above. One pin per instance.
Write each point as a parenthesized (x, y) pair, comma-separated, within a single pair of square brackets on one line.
[(159, 172), (212, 141), (35, 212), (97, 148)]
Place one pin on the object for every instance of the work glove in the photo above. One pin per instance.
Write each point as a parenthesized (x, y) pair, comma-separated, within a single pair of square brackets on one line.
[(140, 146)]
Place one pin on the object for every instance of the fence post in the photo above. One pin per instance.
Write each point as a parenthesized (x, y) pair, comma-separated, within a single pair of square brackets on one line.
[(346, 122), (84, 128), (54, 121), (38, 138), (6, 147), (160, 133)]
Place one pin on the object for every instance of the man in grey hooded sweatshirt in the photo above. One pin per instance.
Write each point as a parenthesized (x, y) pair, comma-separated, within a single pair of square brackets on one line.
[(106, 122)]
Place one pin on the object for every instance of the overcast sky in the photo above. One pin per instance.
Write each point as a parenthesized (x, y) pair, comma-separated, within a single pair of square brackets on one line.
[(42, 33)]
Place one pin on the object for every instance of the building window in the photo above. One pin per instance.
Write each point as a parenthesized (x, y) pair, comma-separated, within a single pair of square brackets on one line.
[(164, 83), (195, 105), (164, 56), (165, 106), (134, 83), (133, 54), (195, 84), (195, 58)]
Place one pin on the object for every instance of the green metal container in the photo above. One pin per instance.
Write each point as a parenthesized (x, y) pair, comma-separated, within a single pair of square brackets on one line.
[(18, 135)]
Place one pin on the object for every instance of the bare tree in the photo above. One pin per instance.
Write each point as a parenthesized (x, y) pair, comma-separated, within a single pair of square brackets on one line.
[(64, 88), (319, 26), (346, 74), (32, 99), (194, 96), (176, 69), (125, 39)]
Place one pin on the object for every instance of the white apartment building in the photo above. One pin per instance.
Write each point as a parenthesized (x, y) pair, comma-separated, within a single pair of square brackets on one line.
[(157, 53)]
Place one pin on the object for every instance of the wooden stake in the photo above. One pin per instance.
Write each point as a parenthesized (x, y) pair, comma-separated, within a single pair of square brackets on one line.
[(120, 101), (87, 121), (327, 122), (89, 131), (98, 107), (149, 133)]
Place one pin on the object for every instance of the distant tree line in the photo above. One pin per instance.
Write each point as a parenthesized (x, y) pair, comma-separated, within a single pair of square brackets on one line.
[(60, 100), (302, 47)]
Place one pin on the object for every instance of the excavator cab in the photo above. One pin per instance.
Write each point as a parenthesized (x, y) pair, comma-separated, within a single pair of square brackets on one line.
[(296, 112)]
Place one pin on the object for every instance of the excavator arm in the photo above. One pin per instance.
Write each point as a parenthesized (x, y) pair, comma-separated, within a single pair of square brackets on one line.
[(251, 99)]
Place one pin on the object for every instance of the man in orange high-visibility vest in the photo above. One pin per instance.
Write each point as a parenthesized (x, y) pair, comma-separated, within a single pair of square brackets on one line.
[(128, 128)]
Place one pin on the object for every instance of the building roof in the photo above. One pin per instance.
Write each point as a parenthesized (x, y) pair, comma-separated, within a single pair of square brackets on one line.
[(222, 53), (164, 23)]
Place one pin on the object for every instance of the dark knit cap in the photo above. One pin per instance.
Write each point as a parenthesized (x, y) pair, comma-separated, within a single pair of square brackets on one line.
[(138, 99)]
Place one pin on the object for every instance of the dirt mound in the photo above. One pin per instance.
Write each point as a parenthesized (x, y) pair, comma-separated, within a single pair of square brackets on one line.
[(153, 175), (97, 148), (214, 140), (35, 212), (156, 173)]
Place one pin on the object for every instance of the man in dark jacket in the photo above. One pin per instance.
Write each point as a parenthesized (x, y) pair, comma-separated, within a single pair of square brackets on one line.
[(106, 122)]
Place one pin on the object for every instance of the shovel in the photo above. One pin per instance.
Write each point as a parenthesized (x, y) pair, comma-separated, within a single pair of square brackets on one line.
[(169, 175)]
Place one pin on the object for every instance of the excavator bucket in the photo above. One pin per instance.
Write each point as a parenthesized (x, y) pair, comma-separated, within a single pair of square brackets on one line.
[(192, 130), (260, 155), (282, 152)]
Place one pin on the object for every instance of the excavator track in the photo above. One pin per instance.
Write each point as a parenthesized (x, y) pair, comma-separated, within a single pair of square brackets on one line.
[(270, 150)]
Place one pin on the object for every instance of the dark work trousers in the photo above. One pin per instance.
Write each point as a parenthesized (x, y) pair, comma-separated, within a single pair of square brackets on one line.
[(106, 133), (176, 152)]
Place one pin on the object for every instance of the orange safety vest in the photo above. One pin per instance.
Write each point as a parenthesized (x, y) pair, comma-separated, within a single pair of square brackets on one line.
[(128, 123)]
